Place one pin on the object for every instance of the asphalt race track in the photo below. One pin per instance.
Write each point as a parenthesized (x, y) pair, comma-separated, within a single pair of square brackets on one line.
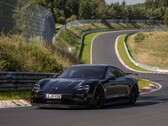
[(150, 110)]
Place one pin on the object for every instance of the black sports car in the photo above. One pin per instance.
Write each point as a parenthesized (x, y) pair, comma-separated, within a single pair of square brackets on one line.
[(86, 85)]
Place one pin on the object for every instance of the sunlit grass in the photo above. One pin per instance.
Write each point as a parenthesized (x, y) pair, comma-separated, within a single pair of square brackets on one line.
[(14, 95), (86, 48), (124, 56), (58, 26), (151, 50), (143, 83)]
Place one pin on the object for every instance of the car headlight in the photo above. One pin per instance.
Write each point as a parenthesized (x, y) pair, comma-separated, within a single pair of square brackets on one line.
[(83, 87)]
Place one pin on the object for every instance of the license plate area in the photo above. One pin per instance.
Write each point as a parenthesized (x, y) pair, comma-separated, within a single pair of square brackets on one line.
[(53, 96)]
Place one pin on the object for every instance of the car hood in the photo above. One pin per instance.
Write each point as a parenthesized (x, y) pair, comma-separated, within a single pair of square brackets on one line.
[(63, 86)]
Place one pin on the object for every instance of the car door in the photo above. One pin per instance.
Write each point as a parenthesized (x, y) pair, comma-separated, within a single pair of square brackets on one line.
[(118, 86), (122, 85), (111, 84)]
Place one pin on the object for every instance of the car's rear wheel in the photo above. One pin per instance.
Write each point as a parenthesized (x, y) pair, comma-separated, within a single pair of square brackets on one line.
[(99, 98), (133, 96)]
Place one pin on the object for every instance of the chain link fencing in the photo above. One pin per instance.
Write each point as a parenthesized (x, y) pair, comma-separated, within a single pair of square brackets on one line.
[(40, 24), (34, 22), (78, 23), (9, 15)]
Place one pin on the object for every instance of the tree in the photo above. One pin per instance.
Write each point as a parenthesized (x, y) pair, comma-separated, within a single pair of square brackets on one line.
[(166, 17), (115, 11), (101, 8), (87, 9), (73, 5), (123, 3)]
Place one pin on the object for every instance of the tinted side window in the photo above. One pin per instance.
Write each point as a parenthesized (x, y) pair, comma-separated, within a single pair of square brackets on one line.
[(109, 72), (118, 72)]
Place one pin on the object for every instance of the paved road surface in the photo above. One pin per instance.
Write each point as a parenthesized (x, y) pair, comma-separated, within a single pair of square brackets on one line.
[(151, 109)]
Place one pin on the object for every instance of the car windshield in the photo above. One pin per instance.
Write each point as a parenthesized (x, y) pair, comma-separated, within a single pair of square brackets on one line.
[(94, 72)]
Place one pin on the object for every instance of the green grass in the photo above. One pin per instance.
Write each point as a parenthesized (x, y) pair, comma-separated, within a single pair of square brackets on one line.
[(14, 95), (139, 37), (143, 83), (124, 55), (58, 26), (150, 49), (86, 48)]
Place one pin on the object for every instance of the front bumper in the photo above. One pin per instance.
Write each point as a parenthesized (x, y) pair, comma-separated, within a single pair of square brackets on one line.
[(41, 105), (72, 101)]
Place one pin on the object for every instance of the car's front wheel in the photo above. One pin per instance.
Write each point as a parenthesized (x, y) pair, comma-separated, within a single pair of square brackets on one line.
[(133, 96), (99, 98)]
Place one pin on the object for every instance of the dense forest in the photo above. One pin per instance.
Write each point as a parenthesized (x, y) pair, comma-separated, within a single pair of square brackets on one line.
[(67, 10)]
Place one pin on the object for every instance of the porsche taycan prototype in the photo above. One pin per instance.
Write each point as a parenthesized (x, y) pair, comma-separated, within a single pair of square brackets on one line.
[(93, 85)]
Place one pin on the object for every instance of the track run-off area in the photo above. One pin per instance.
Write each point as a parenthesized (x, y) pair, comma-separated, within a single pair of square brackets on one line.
[(150, 110)]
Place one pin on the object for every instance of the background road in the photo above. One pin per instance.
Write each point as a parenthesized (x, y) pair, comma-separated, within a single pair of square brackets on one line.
[(150, 110)]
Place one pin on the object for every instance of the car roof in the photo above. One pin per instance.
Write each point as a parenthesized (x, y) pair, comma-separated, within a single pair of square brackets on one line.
[(103, 65)]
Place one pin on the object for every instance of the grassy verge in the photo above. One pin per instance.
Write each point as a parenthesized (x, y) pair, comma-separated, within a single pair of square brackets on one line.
[(86, 48), (58, 26), (124, 55), (70, 38), (149, 48), (14, 95), (143, 83)]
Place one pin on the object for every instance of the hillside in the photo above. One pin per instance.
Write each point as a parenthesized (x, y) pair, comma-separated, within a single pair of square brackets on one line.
[(16, 55)]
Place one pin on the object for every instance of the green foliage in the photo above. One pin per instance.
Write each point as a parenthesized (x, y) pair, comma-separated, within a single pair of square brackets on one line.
[(72, 18), (98, 9), (72, 7), (61, 20), (68, 38), (14, 95), (123, 54), (166, 17), (86, 10), (139, 37), (156, 3)]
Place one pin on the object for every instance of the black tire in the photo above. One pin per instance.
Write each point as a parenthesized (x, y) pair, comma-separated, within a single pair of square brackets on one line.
[(99, 98), (133, 96)]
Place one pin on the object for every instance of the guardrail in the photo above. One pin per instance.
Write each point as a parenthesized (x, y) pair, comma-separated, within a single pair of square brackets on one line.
[(154, 69), (77, 23), (21, 80)]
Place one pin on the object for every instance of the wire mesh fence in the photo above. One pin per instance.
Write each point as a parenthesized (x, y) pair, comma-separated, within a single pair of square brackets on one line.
[(8, 10), (78, 23), (40, 24), (34, 22)]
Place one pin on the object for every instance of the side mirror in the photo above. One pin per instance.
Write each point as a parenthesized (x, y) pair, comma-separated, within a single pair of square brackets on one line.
[(56, 75), (111, 77)]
